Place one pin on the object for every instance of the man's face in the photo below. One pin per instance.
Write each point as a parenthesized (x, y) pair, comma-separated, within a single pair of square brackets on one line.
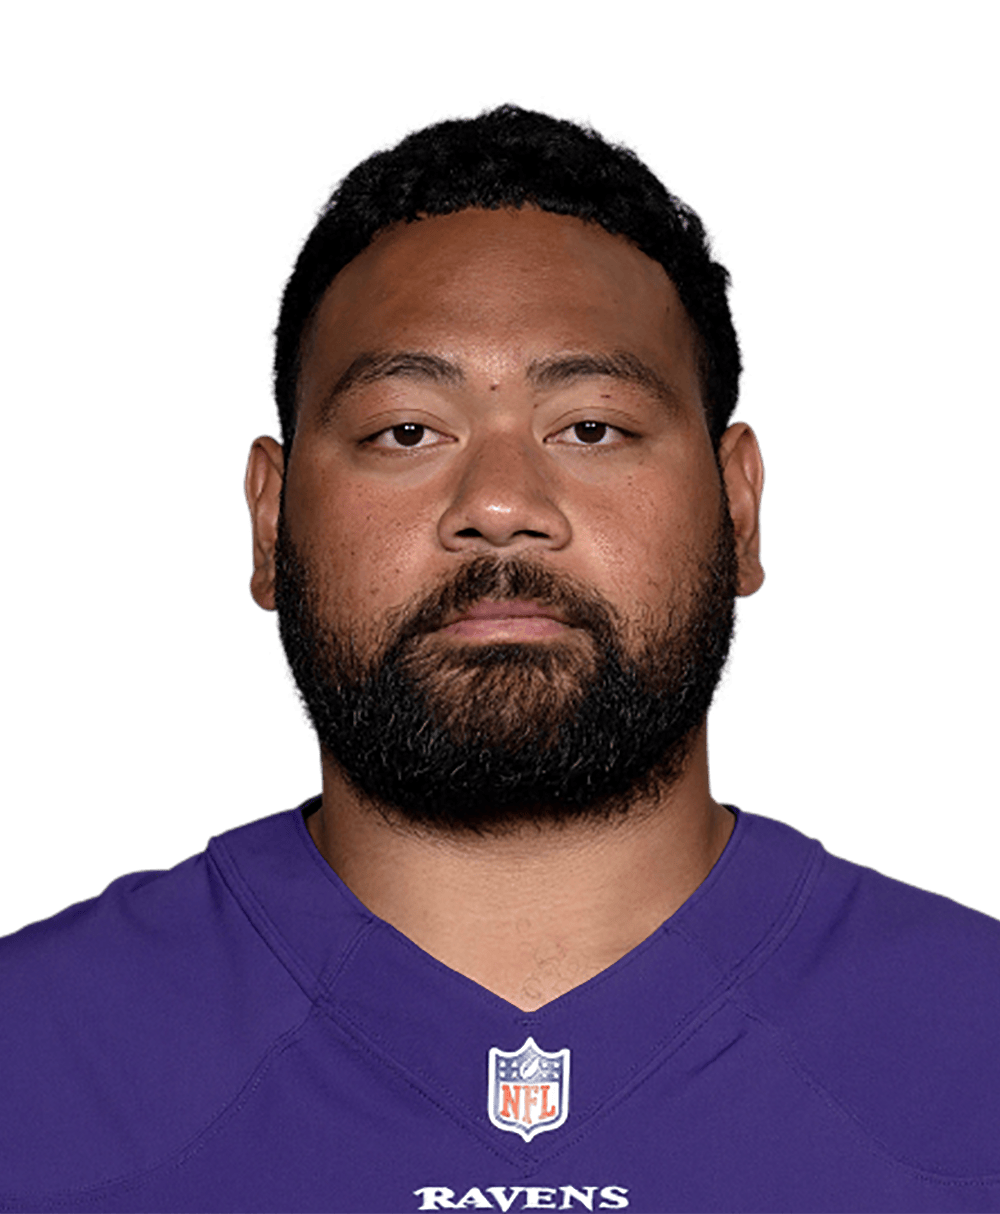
[(506, 564)]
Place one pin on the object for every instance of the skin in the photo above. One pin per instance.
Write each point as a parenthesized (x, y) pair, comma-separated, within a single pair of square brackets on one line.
[(529, 914)]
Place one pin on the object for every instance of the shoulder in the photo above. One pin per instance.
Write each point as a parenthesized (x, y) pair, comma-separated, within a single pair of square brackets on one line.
[(103, 1000), (888, 998), (146, 931)]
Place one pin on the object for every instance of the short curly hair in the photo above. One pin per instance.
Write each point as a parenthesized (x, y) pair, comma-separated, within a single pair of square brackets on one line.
[(511, 157)]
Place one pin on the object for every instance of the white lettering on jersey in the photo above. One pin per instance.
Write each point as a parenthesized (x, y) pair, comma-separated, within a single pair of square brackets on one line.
[(435, 1199), (614, 1197), (539, 1199), (611, 1197), (474, 1198), (499, 1195), (583, 1197)]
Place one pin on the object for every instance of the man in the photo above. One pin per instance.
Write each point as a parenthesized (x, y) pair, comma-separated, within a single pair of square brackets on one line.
[(515, 956)]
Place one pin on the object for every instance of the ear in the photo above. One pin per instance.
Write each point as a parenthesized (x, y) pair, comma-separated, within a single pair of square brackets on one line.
[(265, 472), (743, 478)]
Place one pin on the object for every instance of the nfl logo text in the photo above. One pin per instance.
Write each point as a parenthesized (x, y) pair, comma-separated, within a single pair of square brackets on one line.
[(528, 1089)]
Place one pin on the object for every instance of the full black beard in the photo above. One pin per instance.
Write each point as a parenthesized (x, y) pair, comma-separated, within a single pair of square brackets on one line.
[(482, 738)]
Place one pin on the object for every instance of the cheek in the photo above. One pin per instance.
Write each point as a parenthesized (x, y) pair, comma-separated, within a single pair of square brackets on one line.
[(369, 551), (644, 537)]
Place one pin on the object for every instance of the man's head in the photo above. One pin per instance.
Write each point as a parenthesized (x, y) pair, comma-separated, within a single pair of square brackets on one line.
[(501, 549), (510, 157)]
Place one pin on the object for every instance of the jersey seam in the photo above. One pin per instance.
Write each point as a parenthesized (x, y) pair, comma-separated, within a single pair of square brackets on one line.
[(451, 1107), (304, 975), (178, 1157), (778, 931), (785, 1050), (710, 1007)]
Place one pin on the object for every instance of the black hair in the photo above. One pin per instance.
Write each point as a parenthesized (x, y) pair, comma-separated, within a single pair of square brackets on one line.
[(510, 157)]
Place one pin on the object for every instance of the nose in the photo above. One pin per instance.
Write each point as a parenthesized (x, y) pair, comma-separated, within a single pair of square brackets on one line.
[(504, 498)]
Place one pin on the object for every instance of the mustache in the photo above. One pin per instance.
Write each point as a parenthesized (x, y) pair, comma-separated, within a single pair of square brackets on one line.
[(490, 577)]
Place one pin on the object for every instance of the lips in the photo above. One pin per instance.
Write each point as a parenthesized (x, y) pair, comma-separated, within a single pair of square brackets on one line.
[(512, 609), (516, 619)]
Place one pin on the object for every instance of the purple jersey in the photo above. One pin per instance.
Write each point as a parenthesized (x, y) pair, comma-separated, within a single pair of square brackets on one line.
[(240, 1033)]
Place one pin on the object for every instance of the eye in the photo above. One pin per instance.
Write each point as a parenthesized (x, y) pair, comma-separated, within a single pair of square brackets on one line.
[(414, 435), (590, 434), (407, 435)]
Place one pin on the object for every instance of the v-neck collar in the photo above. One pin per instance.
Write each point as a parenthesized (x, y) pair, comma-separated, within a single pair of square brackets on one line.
[(436, 1026)]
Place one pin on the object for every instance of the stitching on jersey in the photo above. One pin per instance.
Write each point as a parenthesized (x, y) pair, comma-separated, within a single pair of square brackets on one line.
[(537, 1018), (714, 1003), (261, 921), (178, 1157), (455, 1111), (429, 1086), (420, 1075), (677, 1036), (779, 929), (333, 971), (682, 1029), (872, 1142)]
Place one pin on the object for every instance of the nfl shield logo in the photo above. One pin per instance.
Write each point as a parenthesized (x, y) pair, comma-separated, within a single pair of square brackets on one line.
[(529, 1089)]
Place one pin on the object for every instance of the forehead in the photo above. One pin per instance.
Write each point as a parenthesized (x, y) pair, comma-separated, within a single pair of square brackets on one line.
[(502, 286)]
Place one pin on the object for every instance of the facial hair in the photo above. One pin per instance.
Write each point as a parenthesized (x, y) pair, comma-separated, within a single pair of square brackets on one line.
[(465, 737)]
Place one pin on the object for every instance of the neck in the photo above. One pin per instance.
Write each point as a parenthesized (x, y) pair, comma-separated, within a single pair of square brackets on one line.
[(530, 914)]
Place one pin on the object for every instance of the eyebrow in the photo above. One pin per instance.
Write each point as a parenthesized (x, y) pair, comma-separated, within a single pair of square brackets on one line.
[(561, 370), (555, 372), (368, 368)]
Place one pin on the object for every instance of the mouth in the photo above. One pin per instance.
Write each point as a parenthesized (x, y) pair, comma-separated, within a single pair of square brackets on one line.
[(514, 620)]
